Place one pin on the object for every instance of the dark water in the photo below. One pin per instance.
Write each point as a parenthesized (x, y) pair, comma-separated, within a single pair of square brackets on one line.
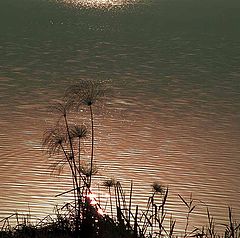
[(173, 113)]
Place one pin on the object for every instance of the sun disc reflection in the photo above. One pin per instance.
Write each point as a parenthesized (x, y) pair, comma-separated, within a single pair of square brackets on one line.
[(99, 3)]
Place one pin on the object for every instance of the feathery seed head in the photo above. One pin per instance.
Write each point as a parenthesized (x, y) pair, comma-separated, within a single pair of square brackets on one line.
[(86, 92), (78, 131), (53, 140), (62, 107), (158, 188), (109, 183), (86, 170)]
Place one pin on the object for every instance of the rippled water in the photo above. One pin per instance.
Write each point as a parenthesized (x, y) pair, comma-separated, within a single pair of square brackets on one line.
[(172, 114)]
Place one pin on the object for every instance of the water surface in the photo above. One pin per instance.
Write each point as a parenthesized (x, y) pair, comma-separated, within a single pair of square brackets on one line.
[(173, 111)]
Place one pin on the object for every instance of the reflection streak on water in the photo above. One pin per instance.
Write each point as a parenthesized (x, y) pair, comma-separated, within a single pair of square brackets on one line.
[(99, 3)]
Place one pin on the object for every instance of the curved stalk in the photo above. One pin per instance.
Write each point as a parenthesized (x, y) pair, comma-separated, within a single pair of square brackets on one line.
[(70, 165), (92, 150), (73, 159), (70, 141)]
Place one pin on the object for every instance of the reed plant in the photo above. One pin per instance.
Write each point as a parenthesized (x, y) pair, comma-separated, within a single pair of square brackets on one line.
[(64, 140)]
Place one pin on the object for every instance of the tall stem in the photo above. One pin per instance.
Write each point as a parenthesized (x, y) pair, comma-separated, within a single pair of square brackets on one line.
[(74, 171), (70, 139), (70, 165), (79, 162), (110, 195), (152, 212), (69, 162), (92, 150), (79, 184)]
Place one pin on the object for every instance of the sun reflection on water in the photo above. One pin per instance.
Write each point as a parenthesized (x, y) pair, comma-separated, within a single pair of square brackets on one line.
[(94, 202), (99, 3)]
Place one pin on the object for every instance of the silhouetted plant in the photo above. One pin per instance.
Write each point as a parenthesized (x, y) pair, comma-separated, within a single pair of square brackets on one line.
[(190, 206), (110, 183), (155, 209), (63, 108), (54, 140), (232, 229), (88, 171), (158, 188), (79, 132), (86, 92)]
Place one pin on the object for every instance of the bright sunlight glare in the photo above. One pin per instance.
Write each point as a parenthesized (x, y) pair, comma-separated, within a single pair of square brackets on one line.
[(99, 3), (93, 201)]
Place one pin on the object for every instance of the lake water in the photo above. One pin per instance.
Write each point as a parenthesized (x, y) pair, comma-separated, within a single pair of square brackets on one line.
[(173, 114)]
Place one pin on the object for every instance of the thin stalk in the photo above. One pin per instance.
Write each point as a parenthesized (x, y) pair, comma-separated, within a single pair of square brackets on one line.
[(92, 150), (76, 195), (152, 212), (110, 195), (69, 162), (146, 220), (130, 202), (123, 199), (70, 165), (135, 233), (116, 197), (79, 162), (70, 141), (74, 178)]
